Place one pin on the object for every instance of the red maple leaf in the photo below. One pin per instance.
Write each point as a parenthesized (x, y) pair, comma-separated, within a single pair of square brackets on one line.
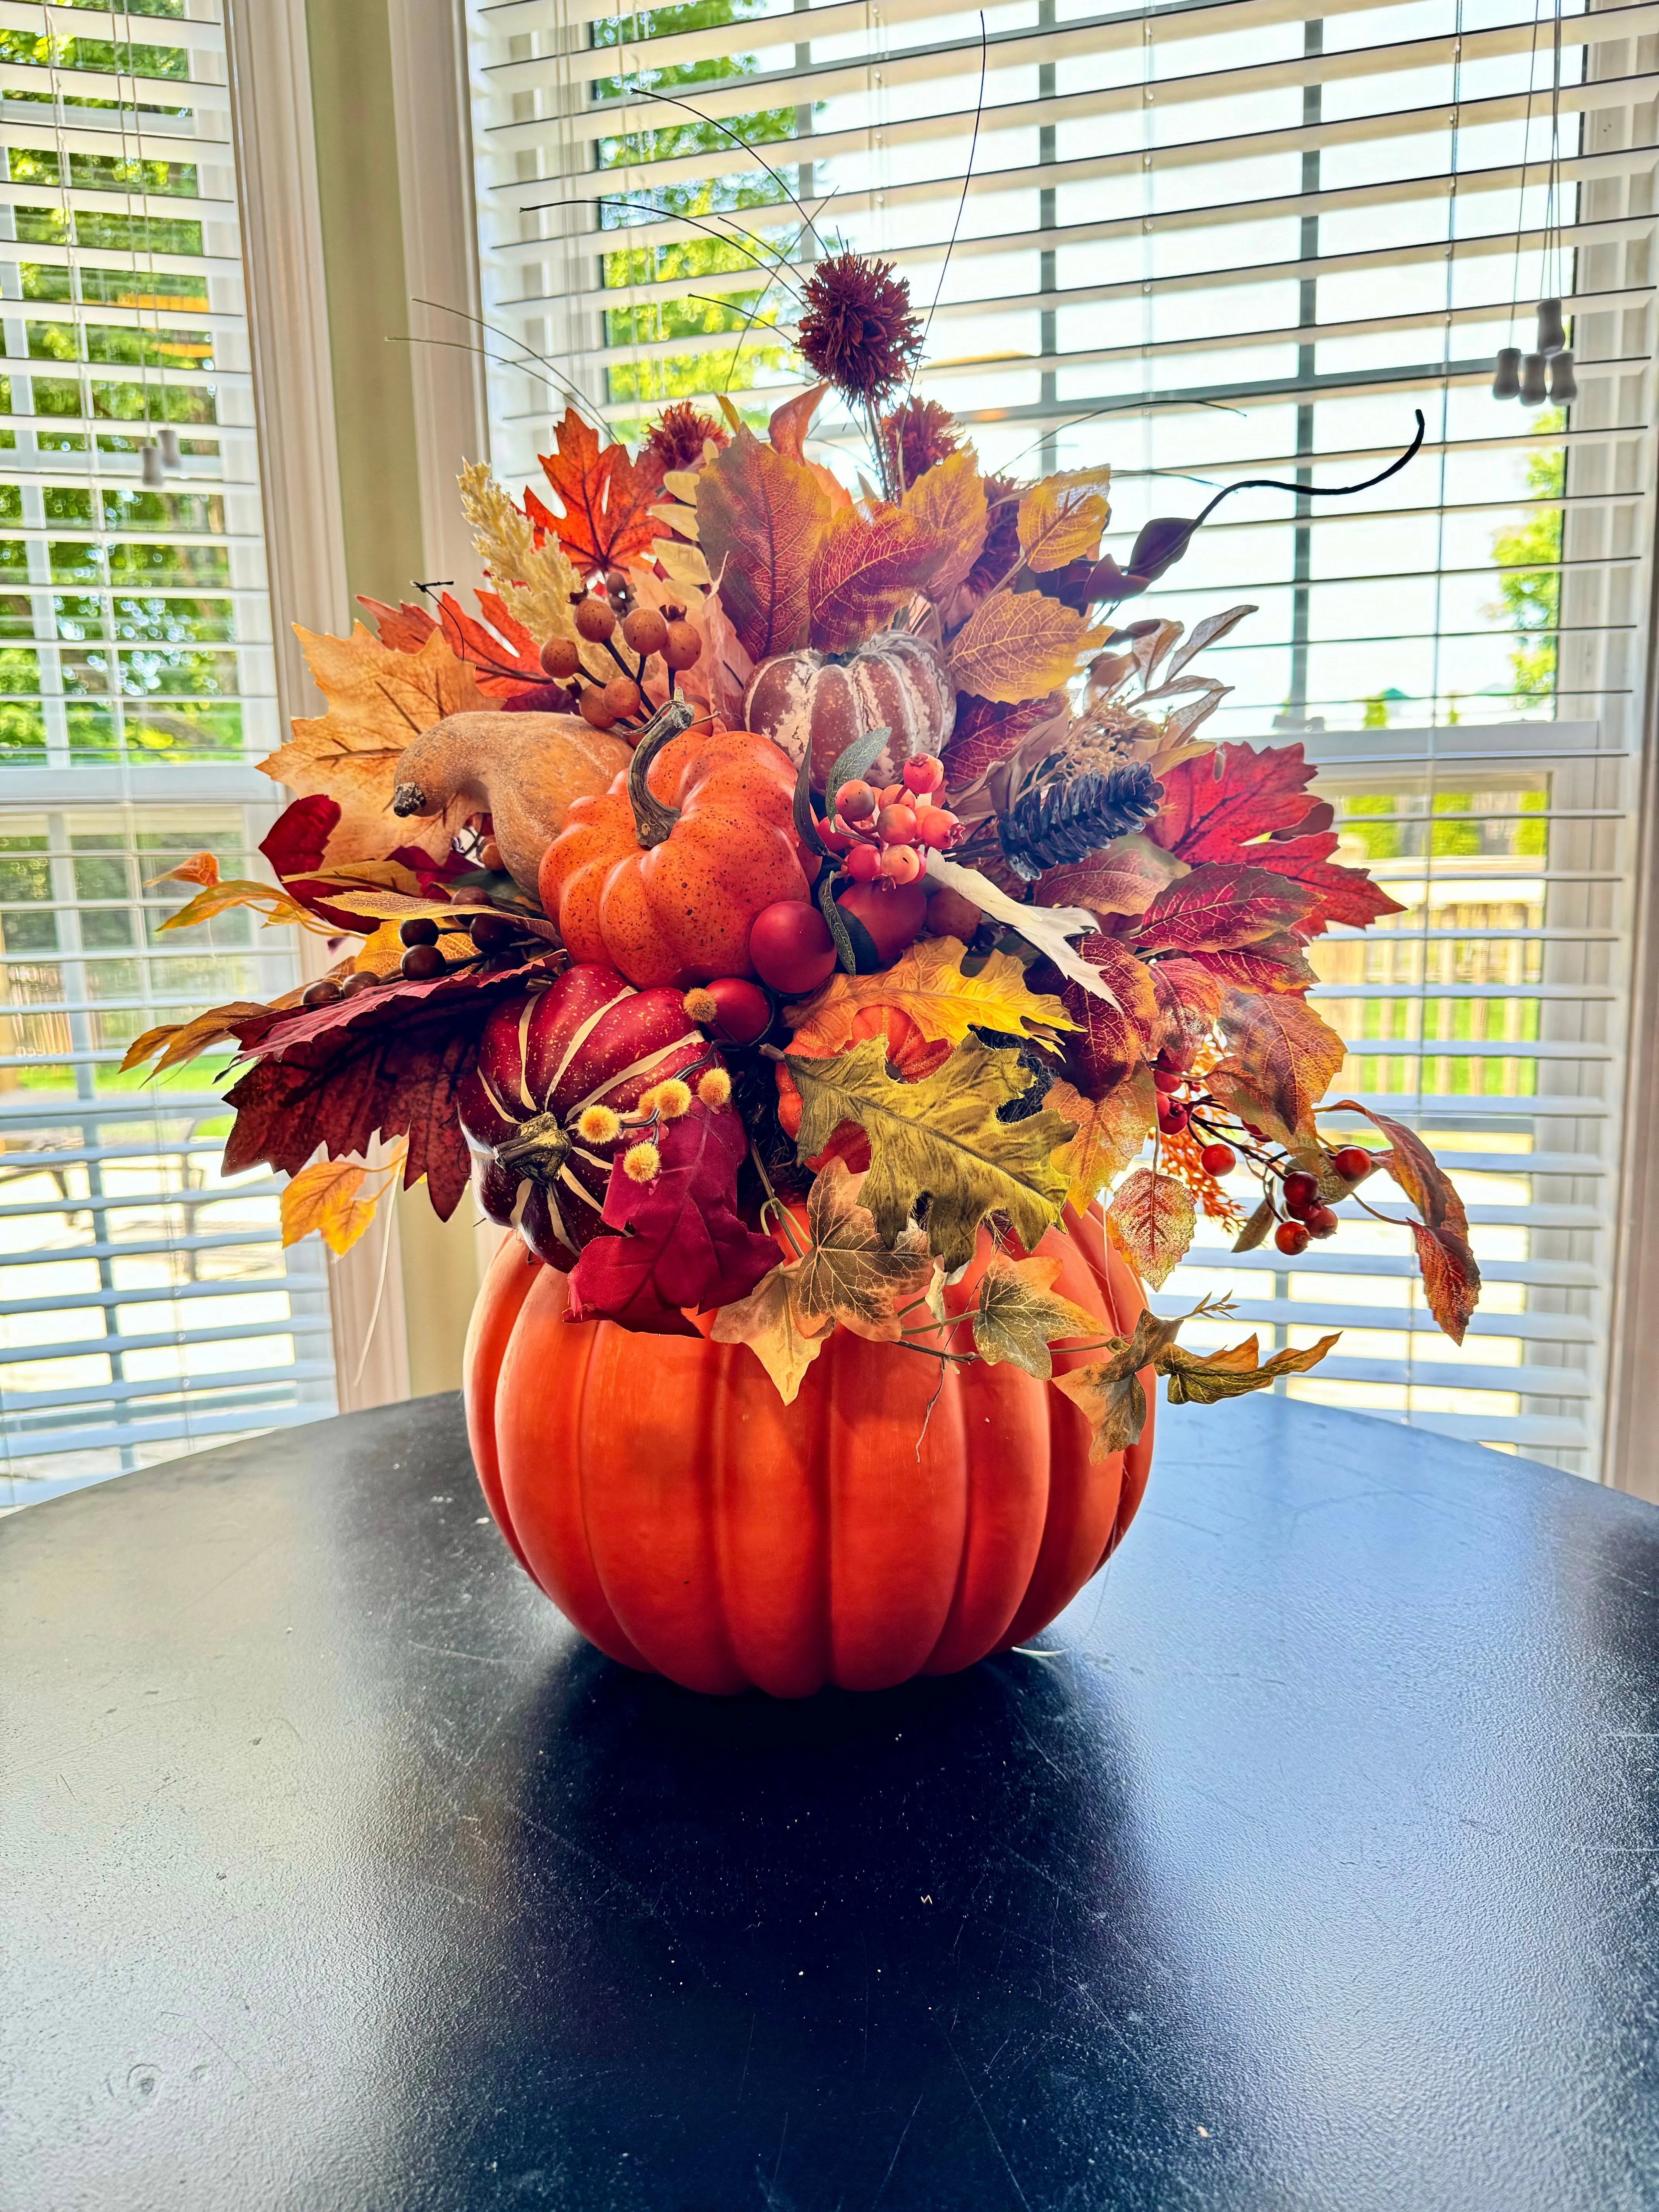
[(405, 627), (1216, 908), (681, 1241), (1274, 964), (387, 1062), (605, 497), (1346, 894), (1214, 805), (503, 656)]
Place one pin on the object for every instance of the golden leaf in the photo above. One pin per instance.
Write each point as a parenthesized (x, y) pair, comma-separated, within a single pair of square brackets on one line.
[(770, 1322), (1109, 1392), (324, 1197), (1018, 1315), (379, 702), (846, 1273), (684, 564), (940, 1136), (199, 868), (1061, 519), (1151, 1221), (1205, 1378), (179, 1041), (1110, 1131), (950, 499), (864, 568), (536, 581), (221, 897), (927, 985), (1017, 644)]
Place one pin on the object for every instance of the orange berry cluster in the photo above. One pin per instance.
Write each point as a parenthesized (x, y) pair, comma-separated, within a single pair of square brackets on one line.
[(884, 833), (650, 632)]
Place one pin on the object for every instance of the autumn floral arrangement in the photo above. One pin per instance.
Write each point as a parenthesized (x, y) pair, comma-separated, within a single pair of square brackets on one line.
[(774, 888)]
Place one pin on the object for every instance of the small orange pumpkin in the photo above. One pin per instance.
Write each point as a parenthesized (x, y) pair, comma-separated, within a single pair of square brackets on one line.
[(897, 681), (662, 877), (891, 1522)]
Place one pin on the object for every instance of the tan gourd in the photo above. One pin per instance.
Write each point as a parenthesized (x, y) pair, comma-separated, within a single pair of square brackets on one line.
[(521, 770)]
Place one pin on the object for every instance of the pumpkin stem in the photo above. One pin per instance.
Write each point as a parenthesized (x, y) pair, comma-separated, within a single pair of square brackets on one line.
[(652, 820), (538, 1150)]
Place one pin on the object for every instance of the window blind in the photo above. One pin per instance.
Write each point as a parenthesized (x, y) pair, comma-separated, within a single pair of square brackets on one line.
[(1207, 242), (146, 1305)]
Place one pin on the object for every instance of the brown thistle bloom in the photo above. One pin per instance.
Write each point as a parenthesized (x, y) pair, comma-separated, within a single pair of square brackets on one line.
[(858, 331), (915, 437), (675, 439)]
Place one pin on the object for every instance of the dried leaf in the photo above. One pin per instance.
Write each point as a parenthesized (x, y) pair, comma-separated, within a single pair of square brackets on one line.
[(325, 1197), (1018, 1315), (277, 906), (1151, 1219), (770, 1322), (1061, 519), (405, 628), (501, 651), (179, 1042), (1214, 806), (379, 702), (1201, 1379), (530, 562), (1344, 894), (1117, 1025), (200, 868), (864, 568), (1207, 633), (762, 518), (1215, 908), (1110, 1392), (940, 1136), (1110, 1131), (950, 499), (1125, 878), (1451, 1276), (1452, 1279), (1284, 1052), (1018, 644), (791, 423), (988, 731), (847, 1275), (606, 497), (927, 986)]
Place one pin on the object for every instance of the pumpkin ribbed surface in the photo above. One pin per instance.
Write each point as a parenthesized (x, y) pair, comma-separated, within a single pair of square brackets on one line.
[(896, 682), (691, 1524)]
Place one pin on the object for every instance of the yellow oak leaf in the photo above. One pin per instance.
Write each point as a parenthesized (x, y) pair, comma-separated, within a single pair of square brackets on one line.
[(1018, 1315), (379, 702), (1110, 1131), (940, 1136), (1018, 645), (950, 499), (325, 1197), (927, 985), (1061, 519), (769, 1321)]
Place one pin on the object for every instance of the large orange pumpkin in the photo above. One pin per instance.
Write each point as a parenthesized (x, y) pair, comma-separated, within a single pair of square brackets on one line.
[(691, 1524), (662, 877)]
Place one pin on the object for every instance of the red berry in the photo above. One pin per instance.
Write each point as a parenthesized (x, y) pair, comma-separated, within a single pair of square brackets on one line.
[(1290, 1237), (896, 825), (1322, 1222), (790, 947), (1301, 1193), (1171, 1116), (924, 772), (935, 827), (560, 657), (1353, 1162), (855, 802), (645, 631), (837, 840), (743, 1012), (901, 864), (864, 864), (1167, 1080), (1219, 1159)]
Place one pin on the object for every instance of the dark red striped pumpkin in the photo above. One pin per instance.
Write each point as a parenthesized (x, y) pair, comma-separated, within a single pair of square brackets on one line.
[(589, 1039)]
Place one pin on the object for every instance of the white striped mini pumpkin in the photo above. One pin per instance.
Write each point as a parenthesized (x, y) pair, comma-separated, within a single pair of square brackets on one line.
[(896, 682)]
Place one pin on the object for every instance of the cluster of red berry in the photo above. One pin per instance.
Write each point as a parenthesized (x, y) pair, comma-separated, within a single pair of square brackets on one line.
[(647, 632), (879, 832), (1306, 1215)]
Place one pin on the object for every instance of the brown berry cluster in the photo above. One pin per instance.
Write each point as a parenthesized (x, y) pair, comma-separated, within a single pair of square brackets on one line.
[(648, 633), (883, 834), (477, 934)]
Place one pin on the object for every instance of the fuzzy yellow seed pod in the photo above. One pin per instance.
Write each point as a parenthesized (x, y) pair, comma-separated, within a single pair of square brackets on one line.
[(642, 1161), (714, 1086), (671, 1098), (701, 1006), (599, 1126)]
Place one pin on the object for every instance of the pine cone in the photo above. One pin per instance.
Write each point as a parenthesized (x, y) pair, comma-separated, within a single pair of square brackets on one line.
[(1073, 817)]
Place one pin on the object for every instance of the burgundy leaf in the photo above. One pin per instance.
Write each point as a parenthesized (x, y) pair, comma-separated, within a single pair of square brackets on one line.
[(298, 838), (1214, 805), (1214, 909)]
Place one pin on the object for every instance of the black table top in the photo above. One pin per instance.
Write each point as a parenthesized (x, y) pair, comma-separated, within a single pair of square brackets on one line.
[(1314, 1867)]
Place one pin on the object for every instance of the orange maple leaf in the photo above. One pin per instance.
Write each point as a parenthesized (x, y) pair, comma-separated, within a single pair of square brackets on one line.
[(605, 498)]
